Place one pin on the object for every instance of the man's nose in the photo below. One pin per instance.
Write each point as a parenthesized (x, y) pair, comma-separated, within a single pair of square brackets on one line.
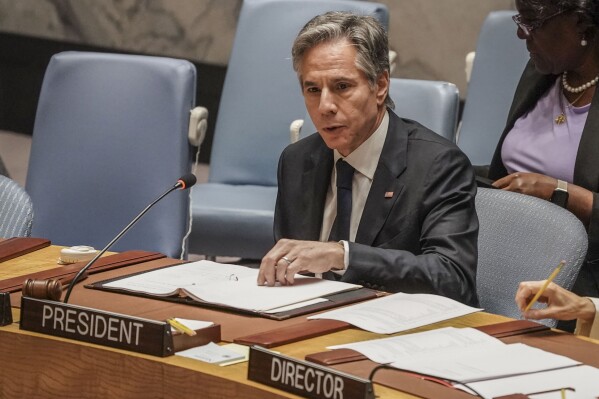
[(327, 102)]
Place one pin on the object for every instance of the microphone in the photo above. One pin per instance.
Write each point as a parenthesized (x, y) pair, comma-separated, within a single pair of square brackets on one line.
[(183, 183)]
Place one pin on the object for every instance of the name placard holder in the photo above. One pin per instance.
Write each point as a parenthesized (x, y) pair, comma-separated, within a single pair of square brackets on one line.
[(305, 378), (97, 327), (5, 310)]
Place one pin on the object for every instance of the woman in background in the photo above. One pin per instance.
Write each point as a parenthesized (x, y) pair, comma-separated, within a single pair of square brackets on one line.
[(550, 146)]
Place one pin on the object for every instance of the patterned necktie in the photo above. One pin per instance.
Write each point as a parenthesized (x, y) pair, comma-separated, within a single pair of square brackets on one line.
[(345, 174)]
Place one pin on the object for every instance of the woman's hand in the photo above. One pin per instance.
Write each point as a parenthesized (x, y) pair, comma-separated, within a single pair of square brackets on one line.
[(580, 200), (561, 303), (534, 184)]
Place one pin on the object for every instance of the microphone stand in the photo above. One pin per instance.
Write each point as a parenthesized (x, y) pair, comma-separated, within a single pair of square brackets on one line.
[(115, 239)]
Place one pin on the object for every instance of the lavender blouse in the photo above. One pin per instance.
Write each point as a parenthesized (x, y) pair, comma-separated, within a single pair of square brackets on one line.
[(538, 144)]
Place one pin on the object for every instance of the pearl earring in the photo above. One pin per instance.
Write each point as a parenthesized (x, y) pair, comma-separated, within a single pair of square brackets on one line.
[(583, 42)]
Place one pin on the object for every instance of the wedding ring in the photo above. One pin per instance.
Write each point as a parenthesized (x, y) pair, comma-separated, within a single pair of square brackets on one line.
[(286, 259)]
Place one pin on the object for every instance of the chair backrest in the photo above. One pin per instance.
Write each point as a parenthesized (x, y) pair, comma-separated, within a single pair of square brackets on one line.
[(523, 238), (261, 94), (110, 136), (498, 64), (16, 210), (435, 104)]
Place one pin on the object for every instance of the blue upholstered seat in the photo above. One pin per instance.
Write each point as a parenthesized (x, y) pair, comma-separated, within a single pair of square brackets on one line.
[(110, 136), (523, 238)]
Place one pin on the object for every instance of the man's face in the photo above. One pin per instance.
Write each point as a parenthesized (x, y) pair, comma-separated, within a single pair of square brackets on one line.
[(344, 107)]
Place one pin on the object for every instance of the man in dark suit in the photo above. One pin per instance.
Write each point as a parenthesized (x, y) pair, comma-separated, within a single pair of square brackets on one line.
[(371, 199)]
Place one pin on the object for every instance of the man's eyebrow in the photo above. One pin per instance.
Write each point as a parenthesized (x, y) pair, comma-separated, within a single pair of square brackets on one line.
[(337, 79)]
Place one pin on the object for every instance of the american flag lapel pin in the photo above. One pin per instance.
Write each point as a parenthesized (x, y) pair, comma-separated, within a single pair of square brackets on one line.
[(389, 194)]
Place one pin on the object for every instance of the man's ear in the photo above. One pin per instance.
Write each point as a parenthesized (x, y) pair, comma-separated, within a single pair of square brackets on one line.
[(382, 87)]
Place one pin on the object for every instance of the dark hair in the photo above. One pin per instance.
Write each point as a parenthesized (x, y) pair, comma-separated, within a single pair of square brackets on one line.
[(364, 32), (587, 10)]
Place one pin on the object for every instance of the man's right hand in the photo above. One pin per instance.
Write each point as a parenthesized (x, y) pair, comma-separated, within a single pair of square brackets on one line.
[(289, 257)]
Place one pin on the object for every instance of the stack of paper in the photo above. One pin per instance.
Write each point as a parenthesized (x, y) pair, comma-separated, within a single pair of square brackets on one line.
[(399, 312), (476, 361), (229, 285)]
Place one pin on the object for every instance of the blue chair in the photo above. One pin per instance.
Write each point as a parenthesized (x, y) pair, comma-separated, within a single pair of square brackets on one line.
[(110, 136), (233, 213), (435, 104), (523, 238), (498, 64), (16, 210)]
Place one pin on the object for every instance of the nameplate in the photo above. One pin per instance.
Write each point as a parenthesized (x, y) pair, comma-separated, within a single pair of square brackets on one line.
[(97, 327), (5, 310), (304, 378)]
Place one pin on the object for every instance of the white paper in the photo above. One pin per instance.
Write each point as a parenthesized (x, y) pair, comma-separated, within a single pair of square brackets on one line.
[(398, 312), (435, 342), (583, 381), (458, 354), (211, 353), (229, 285), (476, 363), (243, 350)]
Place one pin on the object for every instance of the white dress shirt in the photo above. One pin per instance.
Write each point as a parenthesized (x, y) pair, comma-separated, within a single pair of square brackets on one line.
[(364, 160)]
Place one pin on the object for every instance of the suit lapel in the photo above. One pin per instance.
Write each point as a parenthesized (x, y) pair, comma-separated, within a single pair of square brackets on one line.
[(315, 182), (386, 186), (586, 173)]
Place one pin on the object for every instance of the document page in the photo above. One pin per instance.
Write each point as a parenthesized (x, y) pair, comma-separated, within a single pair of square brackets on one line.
[(458, 354), (436, 342), (169, 280), (229, 285), (399, 312), (476, 364), (581, 382)]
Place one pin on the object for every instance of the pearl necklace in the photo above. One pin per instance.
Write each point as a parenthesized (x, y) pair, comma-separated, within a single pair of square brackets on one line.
[(579, 88)]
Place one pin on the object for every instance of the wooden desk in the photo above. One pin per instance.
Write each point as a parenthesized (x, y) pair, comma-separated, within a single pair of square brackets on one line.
[(36, 365)]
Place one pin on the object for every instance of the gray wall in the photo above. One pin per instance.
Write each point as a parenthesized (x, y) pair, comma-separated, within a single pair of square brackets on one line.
[(432, 37)]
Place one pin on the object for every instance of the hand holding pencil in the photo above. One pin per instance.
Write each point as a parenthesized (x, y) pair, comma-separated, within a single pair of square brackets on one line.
[(561, 303), (544, 286)]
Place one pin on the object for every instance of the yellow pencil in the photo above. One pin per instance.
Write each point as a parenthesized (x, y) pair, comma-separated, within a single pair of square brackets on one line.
[(544, 287), (180, 327), (563, 391)]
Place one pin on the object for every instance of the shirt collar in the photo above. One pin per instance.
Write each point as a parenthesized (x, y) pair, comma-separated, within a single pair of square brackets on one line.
[(361, 159)]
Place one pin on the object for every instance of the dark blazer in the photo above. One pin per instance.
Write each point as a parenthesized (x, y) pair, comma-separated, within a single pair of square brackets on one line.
[(530, 89), (421, 240)]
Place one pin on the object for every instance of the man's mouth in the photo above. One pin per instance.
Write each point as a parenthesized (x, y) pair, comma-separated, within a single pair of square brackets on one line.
[(332, 129)]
